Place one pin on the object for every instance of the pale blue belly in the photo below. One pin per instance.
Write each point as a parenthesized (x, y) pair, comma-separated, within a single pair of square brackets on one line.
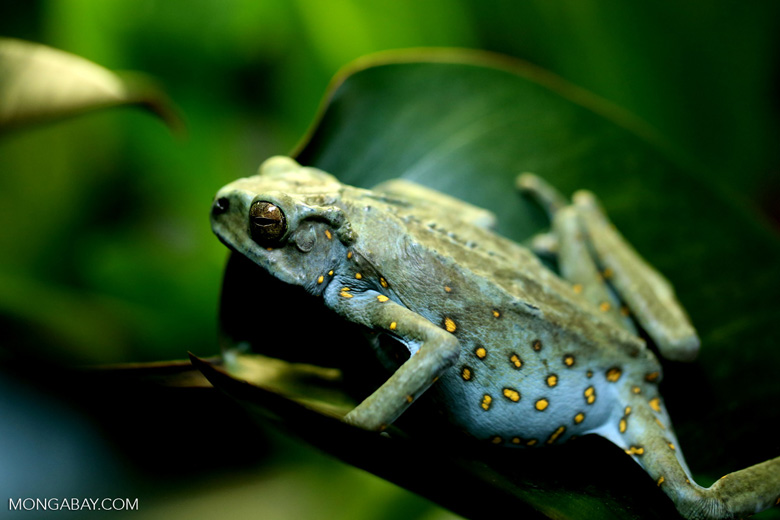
[(525, 406)]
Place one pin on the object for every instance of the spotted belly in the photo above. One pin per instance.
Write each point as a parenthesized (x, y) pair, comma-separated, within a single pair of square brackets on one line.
[(521, 400)]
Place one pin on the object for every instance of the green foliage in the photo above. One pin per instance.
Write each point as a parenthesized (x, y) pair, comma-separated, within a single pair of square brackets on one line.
[(107, 255), (41, 85)]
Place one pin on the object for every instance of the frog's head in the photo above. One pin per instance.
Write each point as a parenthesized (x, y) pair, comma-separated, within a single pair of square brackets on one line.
[(284, 219)]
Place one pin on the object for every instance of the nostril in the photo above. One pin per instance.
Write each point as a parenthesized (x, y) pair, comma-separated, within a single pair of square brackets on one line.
[(221, 205)]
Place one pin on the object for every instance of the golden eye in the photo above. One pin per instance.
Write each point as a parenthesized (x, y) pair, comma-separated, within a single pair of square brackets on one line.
[(267, 224)]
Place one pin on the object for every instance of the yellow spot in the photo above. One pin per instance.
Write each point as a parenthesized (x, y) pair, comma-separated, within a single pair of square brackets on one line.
[(328, 234), (671, 446), (604, 306), (577, 288), (466, 374), (590, 395), (346, 288), (607, 273), (486, 400), (652, 377), (330, 273), (627, 410), (269, 248), (447, 288), (516, 361), (512, 395), (531, 442), (382, 298), (613, 374), (496, 314), (552, 380), (557, 433), (449, 325), (623, 425), (635, 450), (345, 294), (349, 255), (516, 440), (537, 345), (579, 418), (659, 481), (636, 390), (320, 279), (542, 404), (393, 325), (496, 440), (655, 404), (481, 352), (568, 360), (658, 421), (409, 398), (358, 276), (383, 282), (625, 311), (589, 374)]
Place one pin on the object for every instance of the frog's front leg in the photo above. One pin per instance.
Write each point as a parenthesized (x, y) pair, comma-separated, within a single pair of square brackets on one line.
[(582, 228), (436, 351)]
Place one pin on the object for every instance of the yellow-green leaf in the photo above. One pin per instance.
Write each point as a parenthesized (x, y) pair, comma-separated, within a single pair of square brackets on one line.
[(39, 84)]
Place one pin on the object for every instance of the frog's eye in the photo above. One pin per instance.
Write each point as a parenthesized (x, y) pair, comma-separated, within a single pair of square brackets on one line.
[(267, 224)]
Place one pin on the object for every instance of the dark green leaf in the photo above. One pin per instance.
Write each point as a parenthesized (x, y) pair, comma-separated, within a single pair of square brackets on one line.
[(467, 124)]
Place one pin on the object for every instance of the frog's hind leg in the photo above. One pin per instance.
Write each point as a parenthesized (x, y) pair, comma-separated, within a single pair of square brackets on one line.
[(585, 233), (578, 266), (644, 432), (648, 294), (568, 243), (641, 426)]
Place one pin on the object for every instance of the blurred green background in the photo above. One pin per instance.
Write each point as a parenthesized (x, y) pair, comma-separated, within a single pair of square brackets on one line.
[(107, 255)]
